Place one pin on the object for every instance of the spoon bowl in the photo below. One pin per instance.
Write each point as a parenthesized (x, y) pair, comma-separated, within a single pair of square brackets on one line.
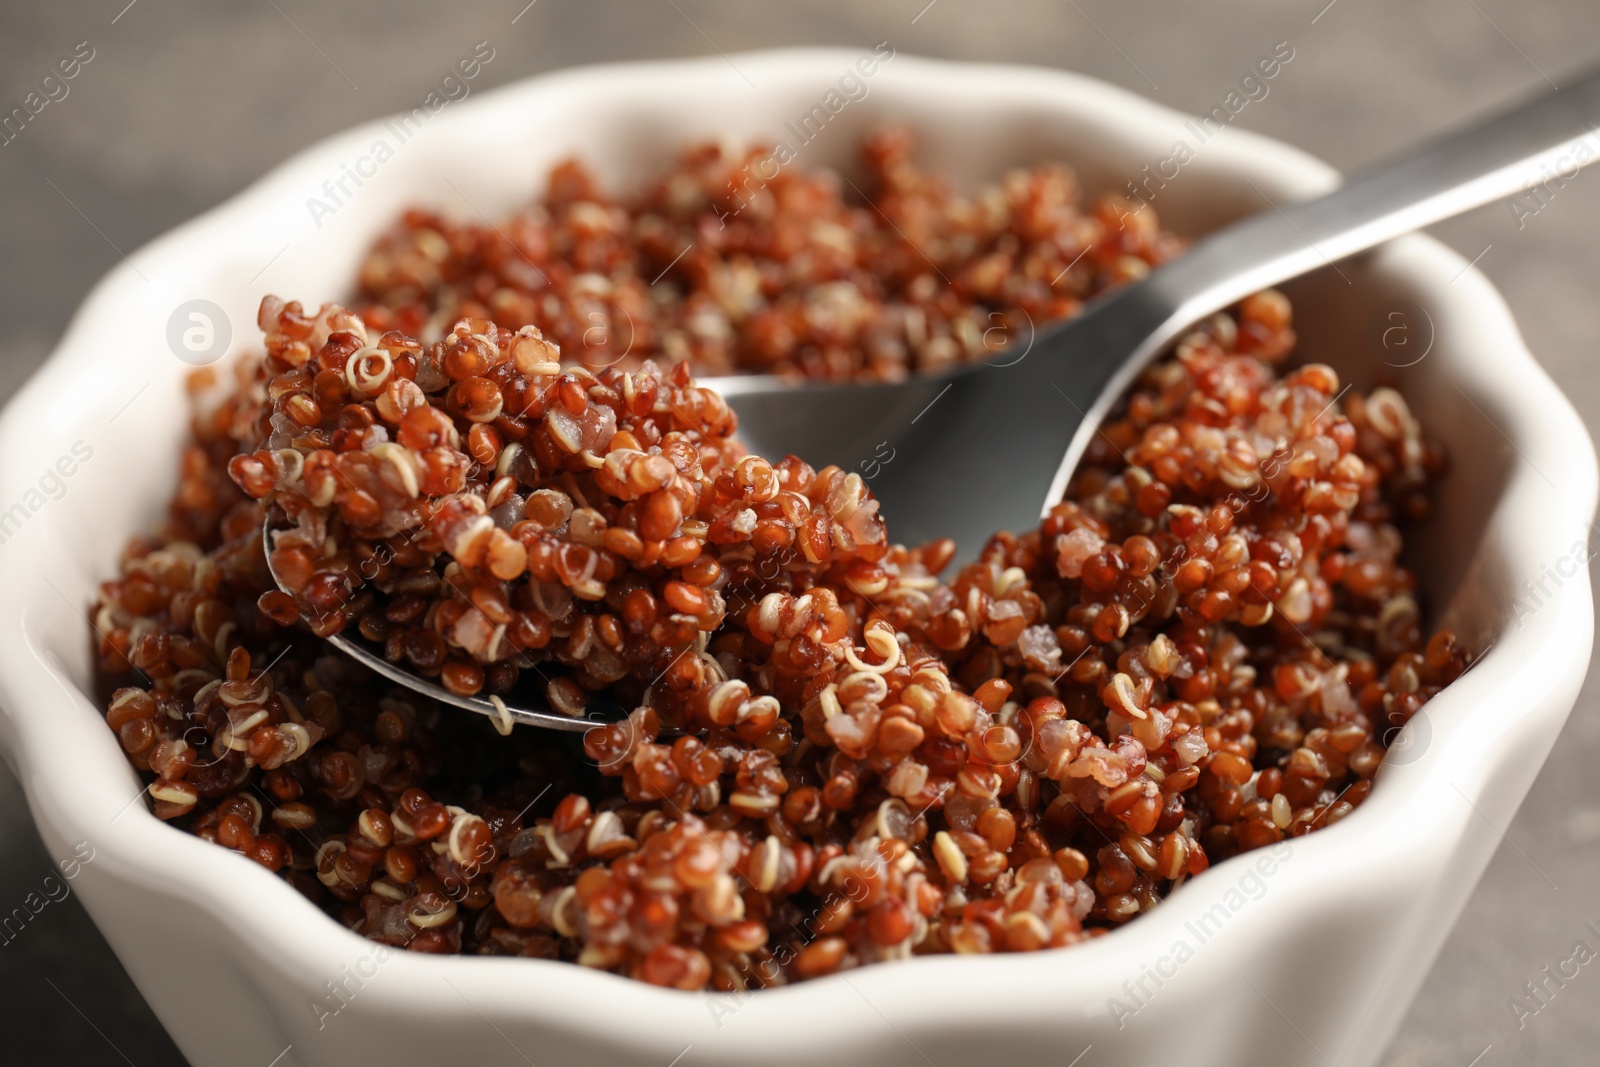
[(505, 714)]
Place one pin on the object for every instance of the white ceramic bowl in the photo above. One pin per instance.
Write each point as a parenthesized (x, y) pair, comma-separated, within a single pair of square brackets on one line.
[(1311, 961)]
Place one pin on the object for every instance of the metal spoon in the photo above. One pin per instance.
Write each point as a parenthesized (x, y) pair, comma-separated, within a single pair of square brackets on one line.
[(991, 446), (368, 656)]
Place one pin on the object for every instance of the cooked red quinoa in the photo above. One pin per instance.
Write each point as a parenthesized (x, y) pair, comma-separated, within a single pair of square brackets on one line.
[(1201, 651), (793, 275)]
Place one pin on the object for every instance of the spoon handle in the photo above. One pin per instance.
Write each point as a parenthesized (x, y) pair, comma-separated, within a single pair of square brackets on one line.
[(1540, 145)]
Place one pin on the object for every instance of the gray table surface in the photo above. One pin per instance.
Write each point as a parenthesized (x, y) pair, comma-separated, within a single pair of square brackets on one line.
[(186, 102)]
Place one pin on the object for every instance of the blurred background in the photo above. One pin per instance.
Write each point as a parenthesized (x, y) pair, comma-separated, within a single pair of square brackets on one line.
[(184, 103)]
